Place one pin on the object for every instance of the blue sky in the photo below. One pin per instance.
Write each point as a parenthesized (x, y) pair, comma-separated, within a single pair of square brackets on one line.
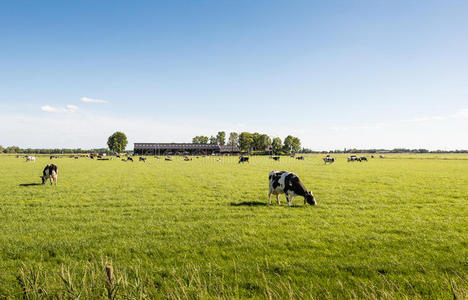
[(366, 74)]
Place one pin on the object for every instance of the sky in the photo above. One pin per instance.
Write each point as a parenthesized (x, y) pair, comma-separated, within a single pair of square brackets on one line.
[(337, 74)]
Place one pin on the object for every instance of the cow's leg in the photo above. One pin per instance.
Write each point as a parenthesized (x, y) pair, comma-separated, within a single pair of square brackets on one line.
[(287, 199), (277, 199), (51, 179), (269, 197)]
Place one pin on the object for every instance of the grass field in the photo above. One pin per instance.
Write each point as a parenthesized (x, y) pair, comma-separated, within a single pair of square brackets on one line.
[(389, 228)]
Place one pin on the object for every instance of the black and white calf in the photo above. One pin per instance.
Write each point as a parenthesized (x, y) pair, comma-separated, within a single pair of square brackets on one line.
[(50, 172), (283, 182), (328, 159)]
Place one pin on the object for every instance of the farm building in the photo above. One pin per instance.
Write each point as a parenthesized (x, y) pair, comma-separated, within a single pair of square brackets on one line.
[(182, 149)]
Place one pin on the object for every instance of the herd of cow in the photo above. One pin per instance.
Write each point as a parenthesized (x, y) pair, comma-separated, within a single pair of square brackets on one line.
[(279, 182)]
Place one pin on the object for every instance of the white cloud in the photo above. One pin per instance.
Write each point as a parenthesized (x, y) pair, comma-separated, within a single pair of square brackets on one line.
[(68, 109), (91, 100), (48, 108)]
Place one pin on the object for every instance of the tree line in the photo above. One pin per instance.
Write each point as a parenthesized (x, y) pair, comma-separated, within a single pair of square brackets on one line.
[(249, 142)]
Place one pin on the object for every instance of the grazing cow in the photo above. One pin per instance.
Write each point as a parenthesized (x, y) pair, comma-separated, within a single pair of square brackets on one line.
[(76, 157), (277, 158), (372, 156), (168, 159), (300, 157), (123, 159), (30, 158), (328, 160), (381, 156), (243, 159), (50, 172), (363, 158), (143, 159), (130, 159), (282, 182), (354, 158)]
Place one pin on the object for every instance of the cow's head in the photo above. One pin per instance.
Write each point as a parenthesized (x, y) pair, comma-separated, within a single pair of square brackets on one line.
[(309, 197), (44, 179)]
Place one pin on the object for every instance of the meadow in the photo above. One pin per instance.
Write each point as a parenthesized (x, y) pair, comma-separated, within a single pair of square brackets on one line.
[(389, 228)]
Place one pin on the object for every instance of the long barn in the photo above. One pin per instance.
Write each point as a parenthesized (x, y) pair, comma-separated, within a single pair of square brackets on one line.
[(182, 149)]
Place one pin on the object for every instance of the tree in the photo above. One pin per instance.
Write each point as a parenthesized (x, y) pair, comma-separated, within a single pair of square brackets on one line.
[(233, 138), (117, 142), (213, 140), (246, 141), (221, 138), (296, 144), (287, 144), (276, 145), (200, 139), (203, 139), (264, 141)]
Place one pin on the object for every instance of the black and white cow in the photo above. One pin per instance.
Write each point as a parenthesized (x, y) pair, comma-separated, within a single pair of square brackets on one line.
[(50, 172), (130, 159), (300, 157), (277, 158), (283, 182), (363, 158), (30, 158), (328, 159), (243, 159), (143, 159)]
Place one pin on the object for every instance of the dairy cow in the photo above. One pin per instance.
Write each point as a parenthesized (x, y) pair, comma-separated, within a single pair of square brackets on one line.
[(283, 182), (50, 172), (243, 159)]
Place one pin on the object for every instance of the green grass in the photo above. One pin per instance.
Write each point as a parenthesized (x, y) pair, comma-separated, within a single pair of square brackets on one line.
[(389, 228)]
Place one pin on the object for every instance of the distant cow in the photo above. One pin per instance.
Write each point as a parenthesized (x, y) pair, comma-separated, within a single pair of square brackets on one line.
[(30, 158), (143, 159), (282, 182), (381, 156), (328, 160), (76, 157), (50, 172), (300, 157), (243, 159), (363, 158), (130, 159), (168, 159), (277, 158), (354, 158)]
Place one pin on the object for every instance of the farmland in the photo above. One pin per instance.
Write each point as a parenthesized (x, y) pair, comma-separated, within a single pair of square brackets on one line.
[(388, 228)]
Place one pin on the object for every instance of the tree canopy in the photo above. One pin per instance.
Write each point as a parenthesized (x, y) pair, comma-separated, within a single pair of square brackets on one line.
[(117, 142)]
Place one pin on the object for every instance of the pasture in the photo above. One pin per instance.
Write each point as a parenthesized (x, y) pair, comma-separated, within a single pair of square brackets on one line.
[(388, 228)]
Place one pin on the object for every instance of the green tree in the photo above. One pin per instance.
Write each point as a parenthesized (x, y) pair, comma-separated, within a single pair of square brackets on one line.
[(277, 145), (1, 149), (221, 138), (264, 141), (213, 140), (246, 141), (203, 139), (117, 142), (200, 139), (288, 144), (296, 144), (233, 139)]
